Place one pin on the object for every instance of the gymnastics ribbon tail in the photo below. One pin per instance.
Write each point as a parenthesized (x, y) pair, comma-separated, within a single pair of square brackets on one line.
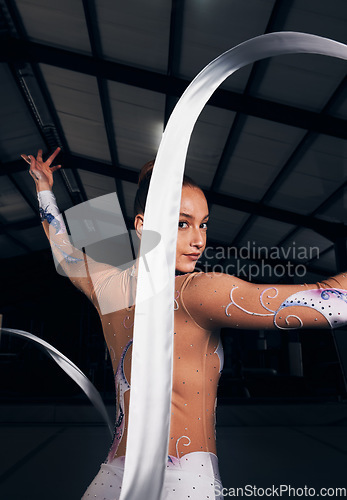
[(70, 369)]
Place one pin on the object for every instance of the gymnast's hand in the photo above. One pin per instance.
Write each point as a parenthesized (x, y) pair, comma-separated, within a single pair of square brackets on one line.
[(41, 171)]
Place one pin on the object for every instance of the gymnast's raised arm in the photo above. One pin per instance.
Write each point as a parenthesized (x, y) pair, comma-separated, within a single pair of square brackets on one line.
[(84, 272)]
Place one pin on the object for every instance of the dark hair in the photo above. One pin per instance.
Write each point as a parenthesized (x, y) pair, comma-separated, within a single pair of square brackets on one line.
[(143, 185)]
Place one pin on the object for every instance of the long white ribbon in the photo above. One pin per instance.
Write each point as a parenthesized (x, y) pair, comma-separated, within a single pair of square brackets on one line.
[(151, 373), (71, 369)]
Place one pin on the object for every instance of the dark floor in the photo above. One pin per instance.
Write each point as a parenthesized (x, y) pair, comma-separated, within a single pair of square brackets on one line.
[(53, 453)]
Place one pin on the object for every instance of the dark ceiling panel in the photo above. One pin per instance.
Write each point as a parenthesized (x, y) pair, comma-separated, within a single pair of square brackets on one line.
[(297, 154), (319, 225), (12, 49), (277, 18), (23, 47), (95, 42)]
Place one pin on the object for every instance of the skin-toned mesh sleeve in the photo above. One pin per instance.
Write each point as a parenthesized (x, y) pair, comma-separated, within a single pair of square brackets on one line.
[(84, 272), (217, 300)]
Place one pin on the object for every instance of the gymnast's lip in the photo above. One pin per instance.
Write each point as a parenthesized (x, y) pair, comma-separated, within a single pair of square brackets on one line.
[(193, 256)]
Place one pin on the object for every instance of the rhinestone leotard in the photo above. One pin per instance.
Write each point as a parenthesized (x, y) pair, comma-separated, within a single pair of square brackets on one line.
[(203, 303)]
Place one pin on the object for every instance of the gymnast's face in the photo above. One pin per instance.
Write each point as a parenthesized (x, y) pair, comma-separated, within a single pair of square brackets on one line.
[(192, 228)]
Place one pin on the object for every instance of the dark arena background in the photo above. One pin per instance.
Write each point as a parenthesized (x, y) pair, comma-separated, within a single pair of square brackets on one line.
[(100, 78)]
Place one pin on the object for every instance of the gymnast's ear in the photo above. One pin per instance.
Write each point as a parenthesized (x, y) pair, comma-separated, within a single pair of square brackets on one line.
[(138, 223)]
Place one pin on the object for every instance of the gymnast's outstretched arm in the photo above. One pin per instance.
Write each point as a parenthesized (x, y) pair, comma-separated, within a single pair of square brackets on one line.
[(218, 300), (83, 271)]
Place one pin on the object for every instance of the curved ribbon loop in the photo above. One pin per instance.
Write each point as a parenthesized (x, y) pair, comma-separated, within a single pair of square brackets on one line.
[(71, 369), (150, 399)]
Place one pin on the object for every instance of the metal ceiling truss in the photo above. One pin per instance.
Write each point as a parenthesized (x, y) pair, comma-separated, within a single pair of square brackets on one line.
[(175, 49), (38, 100), (301, 149), (335, 196), (95, 43), (21, 51), (14, 50), (328, 229), (276, 21)]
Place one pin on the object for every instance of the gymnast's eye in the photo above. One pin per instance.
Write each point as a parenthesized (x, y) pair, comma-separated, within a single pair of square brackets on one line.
[(181, 224), (204, 225)]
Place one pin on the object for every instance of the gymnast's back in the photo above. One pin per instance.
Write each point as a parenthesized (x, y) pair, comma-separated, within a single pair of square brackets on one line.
[(203, 304), (197, 363)]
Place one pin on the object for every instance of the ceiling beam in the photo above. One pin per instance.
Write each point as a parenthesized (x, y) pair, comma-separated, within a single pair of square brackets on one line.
[(73, 162), (330, 230), (90, 13), (294, 158), (17, 50), (301, 149), (276, 22), (60, 139), (277, 18), (38, 99), (336, 195), (175, 49)]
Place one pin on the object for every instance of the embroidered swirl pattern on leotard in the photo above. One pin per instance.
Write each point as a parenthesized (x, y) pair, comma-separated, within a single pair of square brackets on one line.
[(122, 385), (176, 306), (184, 444), (69, 259), (220, 353), (125, 324), (329, 302)]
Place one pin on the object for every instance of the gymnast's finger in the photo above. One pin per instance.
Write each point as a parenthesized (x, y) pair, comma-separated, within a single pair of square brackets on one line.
[(56, 167), (53, 155), (25, 158), (33, 164), (39, 155)]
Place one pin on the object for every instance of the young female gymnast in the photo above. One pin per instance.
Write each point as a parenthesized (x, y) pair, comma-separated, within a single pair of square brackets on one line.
[(203, 303)]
